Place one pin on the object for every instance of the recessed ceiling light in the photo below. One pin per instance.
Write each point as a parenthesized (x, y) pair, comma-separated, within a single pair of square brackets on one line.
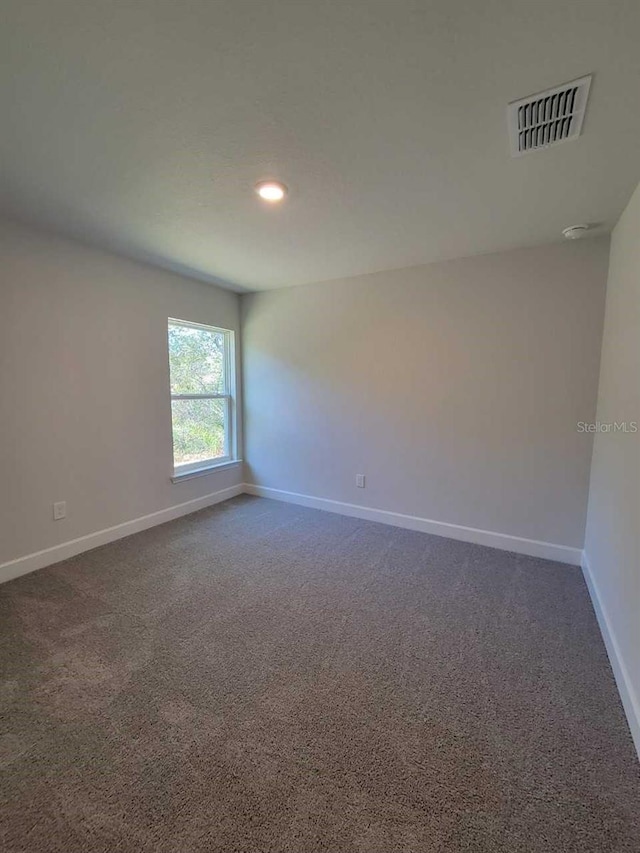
[(574, 232), (271, 191)]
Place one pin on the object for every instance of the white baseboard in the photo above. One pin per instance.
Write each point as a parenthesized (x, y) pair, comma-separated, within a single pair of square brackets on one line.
[(628, 695), (530, 547), (40, 559)]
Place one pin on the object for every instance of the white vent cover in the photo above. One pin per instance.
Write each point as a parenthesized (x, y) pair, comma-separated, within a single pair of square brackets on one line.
[(547, 118)]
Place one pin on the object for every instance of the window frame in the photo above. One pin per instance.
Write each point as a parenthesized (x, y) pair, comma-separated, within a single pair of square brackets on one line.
[(203, 466)]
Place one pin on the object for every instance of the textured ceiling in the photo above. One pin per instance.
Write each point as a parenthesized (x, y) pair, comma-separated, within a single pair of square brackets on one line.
[(142, 126)]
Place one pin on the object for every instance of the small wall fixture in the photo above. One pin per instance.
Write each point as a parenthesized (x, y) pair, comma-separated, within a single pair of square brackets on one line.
[(574, 232), (271, 191)]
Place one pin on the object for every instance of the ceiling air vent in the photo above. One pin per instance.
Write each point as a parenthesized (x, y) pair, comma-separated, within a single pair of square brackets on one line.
[(547, 118)]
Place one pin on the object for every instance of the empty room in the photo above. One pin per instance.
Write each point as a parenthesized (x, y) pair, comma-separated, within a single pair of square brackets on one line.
[(320, 426)]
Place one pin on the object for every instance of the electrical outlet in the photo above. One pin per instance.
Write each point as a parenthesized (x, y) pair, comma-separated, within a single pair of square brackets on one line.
[(59, 510), (360, 481)]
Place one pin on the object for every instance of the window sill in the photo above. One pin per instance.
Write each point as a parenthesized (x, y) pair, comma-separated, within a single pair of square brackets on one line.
[(208, 469)]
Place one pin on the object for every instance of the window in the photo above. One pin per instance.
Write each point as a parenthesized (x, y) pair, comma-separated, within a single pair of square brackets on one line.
[(202, 368)]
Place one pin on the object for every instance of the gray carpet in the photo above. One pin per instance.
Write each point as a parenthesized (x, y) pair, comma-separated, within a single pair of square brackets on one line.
[(263, 677)]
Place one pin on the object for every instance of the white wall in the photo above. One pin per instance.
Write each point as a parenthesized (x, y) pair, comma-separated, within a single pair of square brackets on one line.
[(84, 388), (612, 546), (455, 387)]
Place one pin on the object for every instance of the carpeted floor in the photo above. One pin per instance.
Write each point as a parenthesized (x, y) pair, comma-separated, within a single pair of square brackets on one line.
[(262, 677)]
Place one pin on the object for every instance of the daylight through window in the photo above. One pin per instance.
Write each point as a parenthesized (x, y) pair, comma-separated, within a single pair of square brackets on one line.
[(201, 365)]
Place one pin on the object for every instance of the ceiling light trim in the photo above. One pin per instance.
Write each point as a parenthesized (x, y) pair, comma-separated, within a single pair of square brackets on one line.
[(271, 191)]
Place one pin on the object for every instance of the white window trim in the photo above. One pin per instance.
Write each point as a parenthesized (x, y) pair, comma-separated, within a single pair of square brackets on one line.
[(208, 469), (205, 466)]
